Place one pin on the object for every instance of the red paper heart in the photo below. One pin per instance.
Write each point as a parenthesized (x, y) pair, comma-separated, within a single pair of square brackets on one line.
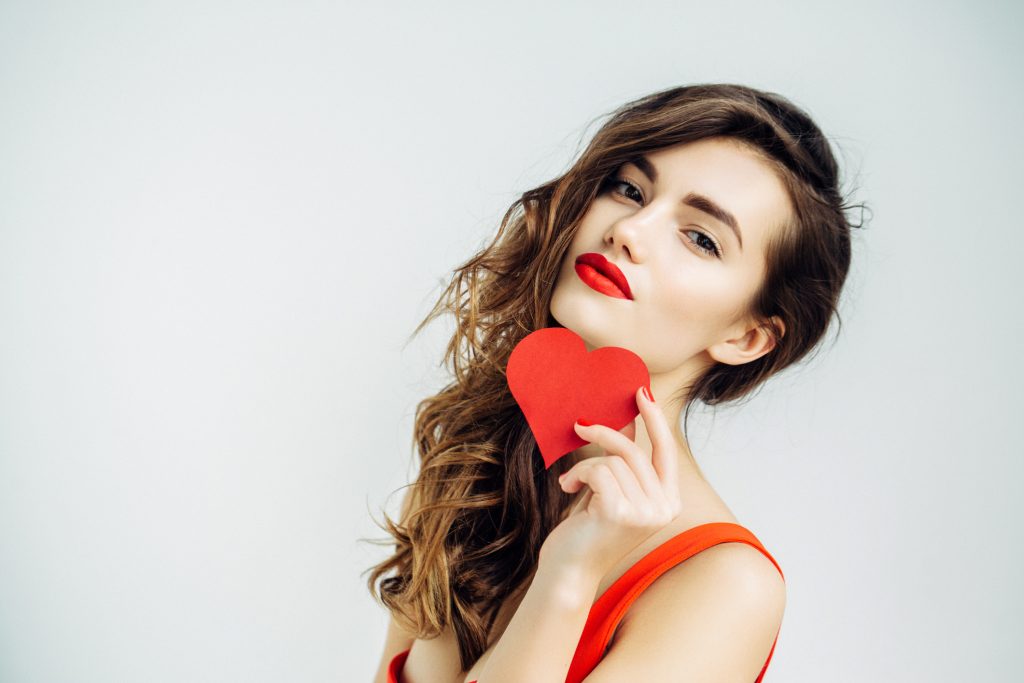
[(556, 381)]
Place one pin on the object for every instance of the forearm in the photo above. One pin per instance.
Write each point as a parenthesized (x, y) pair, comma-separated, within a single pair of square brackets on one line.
[(540, 640)]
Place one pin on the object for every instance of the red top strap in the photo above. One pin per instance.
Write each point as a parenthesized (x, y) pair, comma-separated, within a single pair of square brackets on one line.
[(611, 606), (609, 609), (397, 663)]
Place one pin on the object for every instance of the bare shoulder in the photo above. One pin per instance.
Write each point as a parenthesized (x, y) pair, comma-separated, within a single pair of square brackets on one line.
[(733, 567), (733, 561), (714, 616), (735, 570), (731, 576)]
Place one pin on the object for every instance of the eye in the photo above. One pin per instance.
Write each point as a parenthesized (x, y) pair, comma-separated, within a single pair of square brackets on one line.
[(703, 242), (613, 183), (709, 247)]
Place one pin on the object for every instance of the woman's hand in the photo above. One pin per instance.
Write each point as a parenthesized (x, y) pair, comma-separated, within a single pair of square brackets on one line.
[(631, 495)]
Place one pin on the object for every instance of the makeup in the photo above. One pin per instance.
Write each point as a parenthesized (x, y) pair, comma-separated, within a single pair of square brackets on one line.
[(602, 275)]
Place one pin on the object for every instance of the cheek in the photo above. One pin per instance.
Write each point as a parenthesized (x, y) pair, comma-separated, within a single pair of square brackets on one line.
[(563, 279), (693, 295), (684, 318), (684, 308)]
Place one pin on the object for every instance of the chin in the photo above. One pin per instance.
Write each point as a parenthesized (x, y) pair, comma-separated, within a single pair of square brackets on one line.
[(583, 316), (584, 334)]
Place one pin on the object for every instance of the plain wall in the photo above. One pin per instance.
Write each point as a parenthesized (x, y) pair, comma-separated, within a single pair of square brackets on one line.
[(219, 222)]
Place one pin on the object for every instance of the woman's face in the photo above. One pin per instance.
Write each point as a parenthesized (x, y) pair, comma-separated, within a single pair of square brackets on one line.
[(688, 303)]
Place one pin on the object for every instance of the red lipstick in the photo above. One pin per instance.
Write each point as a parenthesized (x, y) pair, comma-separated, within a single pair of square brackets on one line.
[(601, 274)]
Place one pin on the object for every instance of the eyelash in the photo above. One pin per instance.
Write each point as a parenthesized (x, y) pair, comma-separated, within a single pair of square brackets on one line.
[(714, 250)]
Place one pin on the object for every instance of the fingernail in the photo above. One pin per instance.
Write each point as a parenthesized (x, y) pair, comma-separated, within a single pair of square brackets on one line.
[(647, 393), (584, 423)]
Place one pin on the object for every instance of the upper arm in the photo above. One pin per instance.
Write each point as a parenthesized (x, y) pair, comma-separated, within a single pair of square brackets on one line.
[(397, 639), (713, 617)]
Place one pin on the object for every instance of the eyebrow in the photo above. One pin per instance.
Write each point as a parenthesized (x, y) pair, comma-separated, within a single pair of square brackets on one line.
[(695, 199)]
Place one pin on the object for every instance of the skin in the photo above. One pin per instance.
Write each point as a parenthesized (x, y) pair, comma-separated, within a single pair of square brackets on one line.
[(689, 308), (640, 485)]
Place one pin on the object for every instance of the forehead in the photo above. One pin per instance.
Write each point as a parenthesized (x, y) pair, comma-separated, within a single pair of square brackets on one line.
[(732, 174)]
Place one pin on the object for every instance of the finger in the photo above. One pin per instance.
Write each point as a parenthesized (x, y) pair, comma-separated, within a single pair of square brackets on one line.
[(605, 488), (619, 444), (629, 431), (582, 502), (623, 473), (663, 443)]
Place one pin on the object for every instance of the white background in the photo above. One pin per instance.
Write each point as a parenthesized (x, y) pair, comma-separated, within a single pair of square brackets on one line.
[(220, 221)]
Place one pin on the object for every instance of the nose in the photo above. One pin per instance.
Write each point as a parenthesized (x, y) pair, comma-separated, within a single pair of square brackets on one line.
[(627, 234)]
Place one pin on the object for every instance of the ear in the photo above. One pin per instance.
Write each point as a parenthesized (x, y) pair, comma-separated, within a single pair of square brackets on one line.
[(752, 342)]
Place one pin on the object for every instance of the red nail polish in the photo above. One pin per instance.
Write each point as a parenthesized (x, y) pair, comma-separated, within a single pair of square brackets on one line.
[(585, 423), (647, 393)]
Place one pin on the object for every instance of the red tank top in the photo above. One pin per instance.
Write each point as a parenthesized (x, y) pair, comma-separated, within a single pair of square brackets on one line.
[(611, 606)]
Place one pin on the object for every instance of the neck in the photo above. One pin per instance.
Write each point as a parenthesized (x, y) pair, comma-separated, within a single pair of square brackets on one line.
[(688, 467)]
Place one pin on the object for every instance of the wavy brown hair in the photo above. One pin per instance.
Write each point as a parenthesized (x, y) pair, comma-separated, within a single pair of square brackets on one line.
[(482, 504)]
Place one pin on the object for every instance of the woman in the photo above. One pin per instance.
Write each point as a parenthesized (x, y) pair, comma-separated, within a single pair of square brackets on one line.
[(718, 209)]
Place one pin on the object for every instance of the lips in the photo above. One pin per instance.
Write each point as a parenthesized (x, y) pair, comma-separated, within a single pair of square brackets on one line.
[(601, 274)]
